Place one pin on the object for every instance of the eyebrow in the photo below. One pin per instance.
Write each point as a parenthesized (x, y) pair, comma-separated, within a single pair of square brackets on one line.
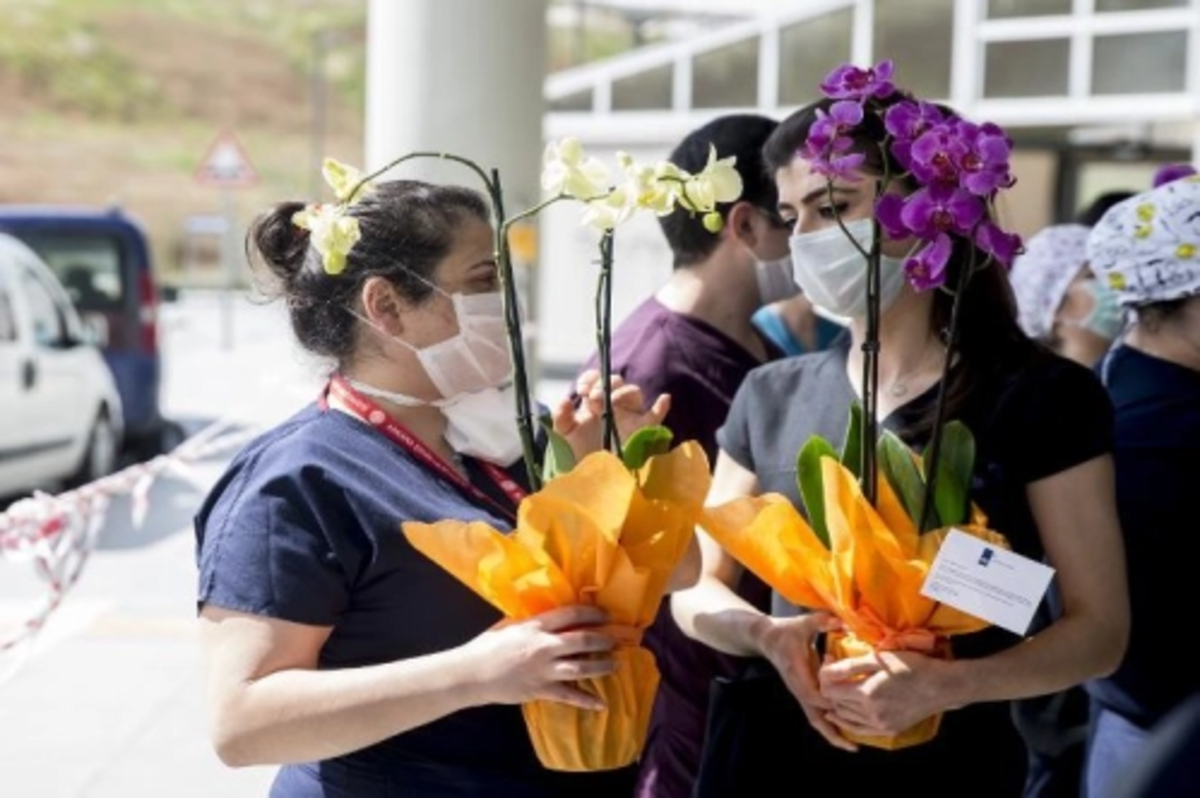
[(818, 194)]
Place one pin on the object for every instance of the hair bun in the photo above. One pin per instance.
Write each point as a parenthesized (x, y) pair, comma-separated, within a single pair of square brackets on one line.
[(278, 243)]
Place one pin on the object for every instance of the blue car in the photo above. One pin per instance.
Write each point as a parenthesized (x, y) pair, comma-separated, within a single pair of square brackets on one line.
[(102, 258)]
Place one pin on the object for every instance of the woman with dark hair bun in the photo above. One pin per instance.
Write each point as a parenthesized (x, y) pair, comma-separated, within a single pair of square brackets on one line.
[(333, 647), (1042, 427)]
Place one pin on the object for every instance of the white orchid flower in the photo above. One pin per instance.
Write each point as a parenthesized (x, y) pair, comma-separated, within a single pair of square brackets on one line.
[(645, 187), (719, 182), (568, 171), (343, 179), (605, 213), (332, 232)]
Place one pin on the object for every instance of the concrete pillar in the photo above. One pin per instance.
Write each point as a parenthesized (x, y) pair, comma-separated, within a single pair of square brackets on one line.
[(463, 76)]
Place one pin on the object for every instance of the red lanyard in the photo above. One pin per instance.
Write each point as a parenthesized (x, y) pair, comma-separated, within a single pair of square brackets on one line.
[(400, 435)]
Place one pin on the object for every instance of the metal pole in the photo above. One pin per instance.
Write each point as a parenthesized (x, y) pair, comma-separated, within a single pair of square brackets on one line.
[(317, 88), (229, 258)]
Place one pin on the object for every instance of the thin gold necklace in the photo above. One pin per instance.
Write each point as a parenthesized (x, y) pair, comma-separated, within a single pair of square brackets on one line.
[(899, 386)]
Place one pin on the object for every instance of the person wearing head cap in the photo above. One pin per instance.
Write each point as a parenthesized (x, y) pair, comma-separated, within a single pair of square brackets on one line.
[(1060, 302), (1170, 172), (1147, 250)]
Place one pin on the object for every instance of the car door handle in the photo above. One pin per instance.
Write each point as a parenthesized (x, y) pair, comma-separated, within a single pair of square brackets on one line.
[(28, 374)]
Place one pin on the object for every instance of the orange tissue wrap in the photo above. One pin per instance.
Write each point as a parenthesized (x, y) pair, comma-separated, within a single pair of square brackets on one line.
[(599, 535), (870, 576)]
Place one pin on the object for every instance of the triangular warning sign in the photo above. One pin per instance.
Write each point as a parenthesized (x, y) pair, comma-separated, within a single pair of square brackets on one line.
[(225, 165)]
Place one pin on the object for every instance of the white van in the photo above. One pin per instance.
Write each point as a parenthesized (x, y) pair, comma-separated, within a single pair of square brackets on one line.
[(60, 414)]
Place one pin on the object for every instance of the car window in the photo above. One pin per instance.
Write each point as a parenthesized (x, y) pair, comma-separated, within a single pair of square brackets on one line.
[(88, 266), (45, 317), (8, 322)]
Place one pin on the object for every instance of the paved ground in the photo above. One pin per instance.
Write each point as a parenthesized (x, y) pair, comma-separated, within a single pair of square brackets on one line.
[(109, 703)]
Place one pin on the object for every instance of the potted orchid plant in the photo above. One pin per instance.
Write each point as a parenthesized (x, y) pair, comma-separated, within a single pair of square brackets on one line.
[(609, 529), (877, 512)]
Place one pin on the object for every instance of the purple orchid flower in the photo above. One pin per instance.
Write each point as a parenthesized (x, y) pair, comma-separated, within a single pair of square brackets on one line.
[(1002, 246), (849, 82), (927, 268), (827, 147), (828, 132), (889, 211), (843, 166), (984, 167), (936, 154), (906, 122), (939, 209)]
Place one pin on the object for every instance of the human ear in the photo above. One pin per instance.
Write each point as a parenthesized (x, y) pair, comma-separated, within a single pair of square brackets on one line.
[(381, 305), (741, 222)]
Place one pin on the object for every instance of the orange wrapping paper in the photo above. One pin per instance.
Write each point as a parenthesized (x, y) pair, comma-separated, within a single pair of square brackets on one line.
[(870, 576), (599, 535)]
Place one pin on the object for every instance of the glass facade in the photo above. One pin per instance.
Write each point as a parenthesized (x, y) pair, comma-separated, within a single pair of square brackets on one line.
[(1036, 68), (575, 102), (808, 51), (1018, 49), (1140, 63), (726, 78), (1139, 5), (1007, 9), (920, 37), (645, 91)]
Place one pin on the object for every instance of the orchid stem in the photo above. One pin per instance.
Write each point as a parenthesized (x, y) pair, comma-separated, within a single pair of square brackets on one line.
[(870, 378), (516, 339), (845, 230), (610, 438), (934, 450)]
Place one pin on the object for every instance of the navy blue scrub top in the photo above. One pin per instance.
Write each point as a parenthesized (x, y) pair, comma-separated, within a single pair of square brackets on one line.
[(304, 526)]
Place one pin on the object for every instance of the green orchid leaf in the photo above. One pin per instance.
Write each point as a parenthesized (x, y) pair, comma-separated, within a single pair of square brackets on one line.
[(901, 471), (560, 458), (644, 444), (852, 445), (808, 475), (956, 464)]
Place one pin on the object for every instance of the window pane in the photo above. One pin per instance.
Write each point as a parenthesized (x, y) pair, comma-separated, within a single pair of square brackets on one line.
[(1027, 69), (726, 78), (8, 322), (1005, 9), (579, 101), (809, 51), (89, 267), (645, 91), (920, 40), (43, 313), (1140, 63), (1139, 5)]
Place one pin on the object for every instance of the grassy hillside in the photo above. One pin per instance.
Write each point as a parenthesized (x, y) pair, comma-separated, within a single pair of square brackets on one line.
[(117, 101)]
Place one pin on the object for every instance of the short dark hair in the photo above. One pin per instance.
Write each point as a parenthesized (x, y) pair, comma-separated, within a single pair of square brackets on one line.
[(739, 135), (1092, 214), (1155, 315), (408, 227)]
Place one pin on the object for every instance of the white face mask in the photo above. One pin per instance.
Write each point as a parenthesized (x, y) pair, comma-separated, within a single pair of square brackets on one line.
[(474, 358), (775, 279), (832, 273), (480, 424), (472, 370)]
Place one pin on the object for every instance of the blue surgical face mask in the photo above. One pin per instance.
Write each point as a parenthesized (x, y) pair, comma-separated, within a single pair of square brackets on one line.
[(1106, 318)]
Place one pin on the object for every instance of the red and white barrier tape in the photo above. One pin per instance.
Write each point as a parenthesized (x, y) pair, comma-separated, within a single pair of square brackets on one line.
[(57, 533)]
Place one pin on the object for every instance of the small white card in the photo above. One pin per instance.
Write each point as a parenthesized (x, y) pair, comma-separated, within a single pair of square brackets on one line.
[(997, 585)]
